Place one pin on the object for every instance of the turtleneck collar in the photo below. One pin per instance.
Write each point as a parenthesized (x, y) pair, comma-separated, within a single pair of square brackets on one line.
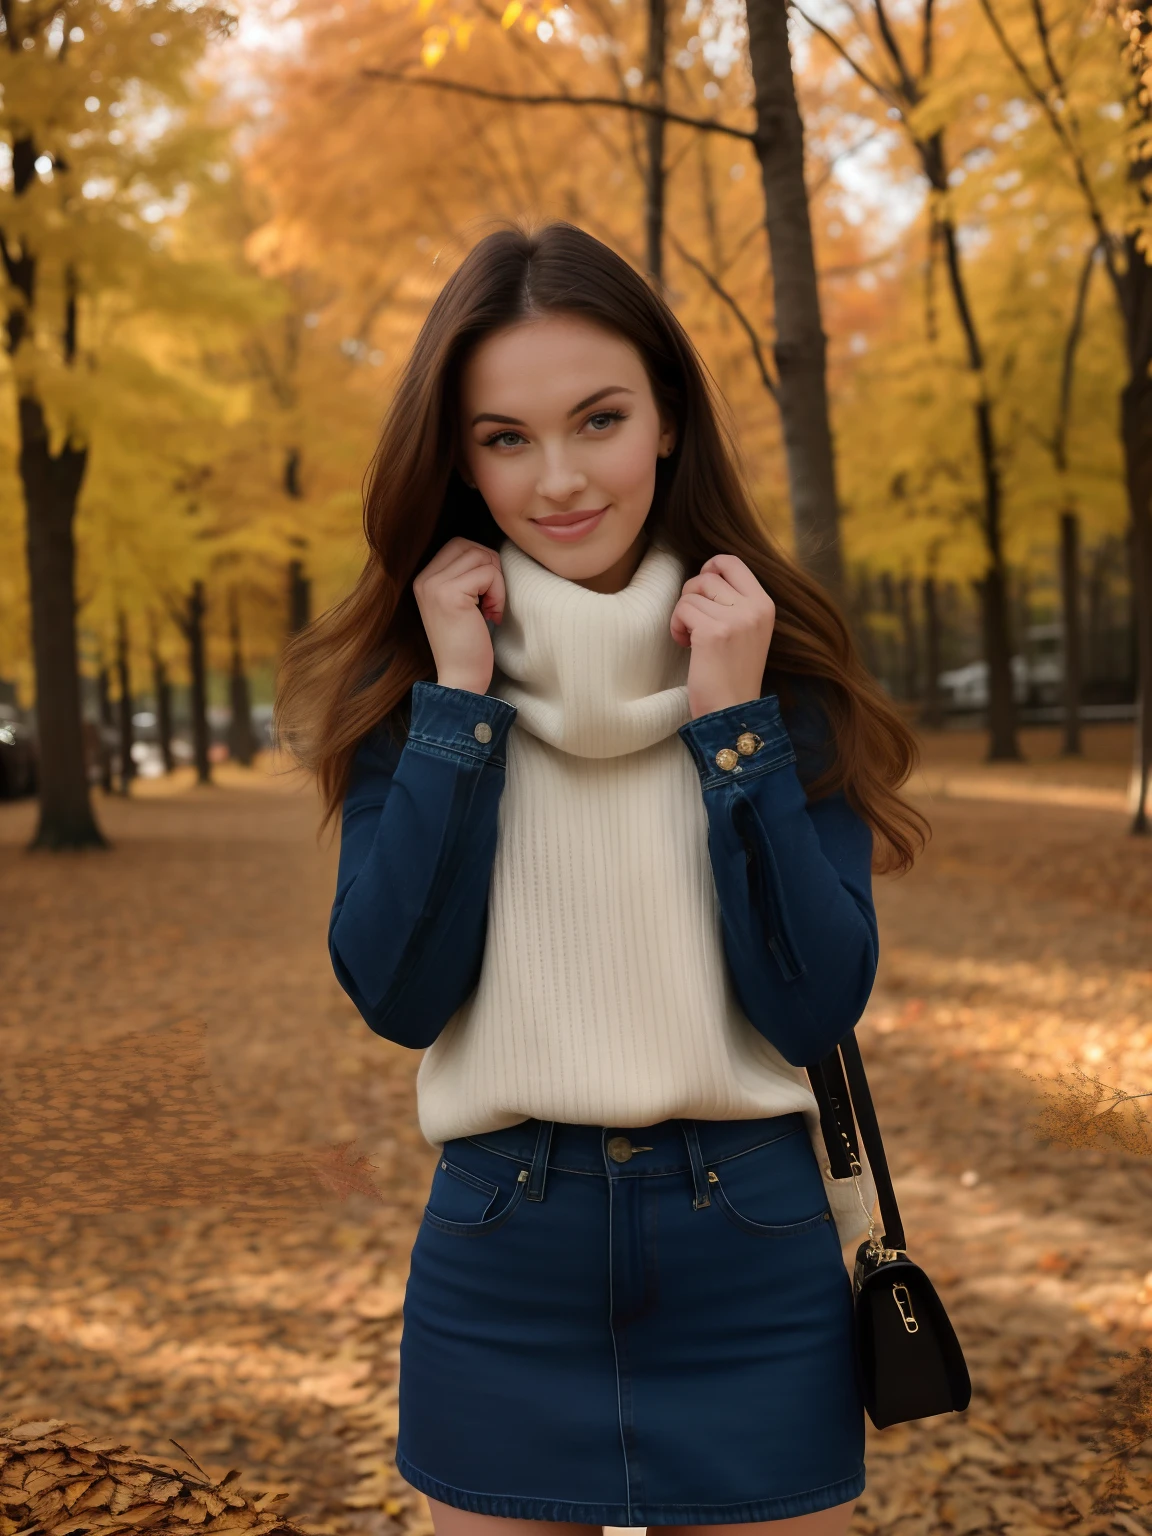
[(592, 673)]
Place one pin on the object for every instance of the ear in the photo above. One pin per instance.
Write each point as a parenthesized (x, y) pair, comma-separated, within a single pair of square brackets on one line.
[(667, 442)]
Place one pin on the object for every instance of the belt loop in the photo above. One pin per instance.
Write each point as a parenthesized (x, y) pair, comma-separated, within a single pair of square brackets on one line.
[(540, 1160), (701, 1193)]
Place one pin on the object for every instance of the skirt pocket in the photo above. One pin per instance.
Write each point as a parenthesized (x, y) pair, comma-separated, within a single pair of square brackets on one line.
[(774, 1190), (466, 1201)]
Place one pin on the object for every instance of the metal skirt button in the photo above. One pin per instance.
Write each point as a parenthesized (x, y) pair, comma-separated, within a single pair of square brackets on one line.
[(482, 732), (619, 1149)]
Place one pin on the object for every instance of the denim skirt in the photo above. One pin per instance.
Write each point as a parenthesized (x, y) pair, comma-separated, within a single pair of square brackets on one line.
[(646, 1325)]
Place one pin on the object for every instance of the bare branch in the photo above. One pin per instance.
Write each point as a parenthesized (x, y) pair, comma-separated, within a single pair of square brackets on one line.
[(843, 154), (1068, 364), (895, 53), (1079, 169), (926, 51), (1045, 37), (722, 293), (885, 92), (516, 98)]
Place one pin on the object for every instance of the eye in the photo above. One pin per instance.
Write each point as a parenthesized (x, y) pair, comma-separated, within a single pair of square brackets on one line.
[(498, 439), (600, 421)]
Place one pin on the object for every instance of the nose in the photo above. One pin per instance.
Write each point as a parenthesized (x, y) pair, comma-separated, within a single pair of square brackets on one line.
[(560, 479)]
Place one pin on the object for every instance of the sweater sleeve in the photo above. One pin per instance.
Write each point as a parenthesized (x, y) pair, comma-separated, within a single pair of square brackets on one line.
[(418, 837), (793, 880)]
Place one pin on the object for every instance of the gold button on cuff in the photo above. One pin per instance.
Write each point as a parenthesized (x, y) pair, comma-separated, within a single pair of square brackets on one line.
[(619, 1149), (726, 758), (748, 743), (483, 731)]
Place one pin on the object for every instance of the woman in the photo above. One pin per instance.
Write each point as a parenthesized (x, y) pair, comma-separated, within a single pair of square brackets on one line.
[(613, 781)]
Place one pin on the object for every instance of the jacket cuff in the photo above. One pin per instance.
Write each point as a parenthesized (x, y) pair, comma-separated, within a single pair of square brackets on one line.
[(458, 723), (745, 739)]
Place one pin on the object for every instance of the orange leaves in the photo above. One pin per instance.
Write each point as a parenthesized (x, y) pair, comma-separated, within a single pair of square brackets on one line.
[(1080, 1108), (457, 29), (50, 1469)]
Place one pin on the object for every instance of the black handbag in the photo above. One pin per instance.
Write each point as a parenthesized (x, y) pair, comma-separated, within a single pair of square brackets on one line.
[(911, 1363)]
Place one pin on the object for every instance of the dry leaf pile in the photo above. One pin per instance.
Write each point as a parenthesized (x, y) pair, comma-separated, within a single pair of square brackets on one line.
[(205, 1297), (57, 1480)]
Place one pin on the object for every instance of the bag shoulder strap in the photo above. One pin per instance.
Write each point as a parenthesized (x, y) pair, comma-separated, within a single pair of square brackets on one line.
[(840, 1085)]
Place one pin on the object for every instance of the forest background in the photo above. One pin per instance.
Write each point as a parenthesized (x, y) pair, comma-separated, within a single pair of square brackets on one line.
[(221, 227)]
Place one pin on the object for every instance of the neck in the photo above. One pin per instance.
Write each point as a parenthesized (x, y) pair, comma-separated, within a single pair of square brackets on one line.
[(621, 571), (596, 674)]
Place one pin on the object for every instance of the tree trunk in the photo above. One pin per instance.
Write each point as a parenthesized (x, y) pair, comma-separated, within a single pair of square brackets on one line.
[(299, 597), (861, 608), (932, 713), (800, 349), (197, 667), (654, 140), (241, 741), (1137, 430), (1073, 656), (162, 689), (124, 679), (107, 724), (1002, 743), (51, 483), (908, 635)]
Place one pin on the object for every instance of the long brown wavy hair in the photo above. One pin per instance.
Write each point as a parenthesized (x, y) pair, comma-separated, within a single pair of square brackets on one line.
[(354, 667)]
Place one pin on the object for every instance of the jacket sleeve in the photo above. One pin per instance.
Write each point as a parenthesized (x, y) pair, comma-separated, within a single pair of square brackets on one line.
[(793, 880), (418, 837)]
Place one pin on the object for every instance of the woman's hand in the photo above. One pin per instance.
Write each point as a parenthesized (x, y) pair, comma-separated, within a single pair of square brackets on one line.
[(460, 588), (727, 618)]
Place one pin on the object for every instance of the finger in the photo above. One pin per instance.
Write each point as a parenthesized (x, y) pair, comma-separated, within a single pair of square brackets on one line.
[(469, 568), (493, 598), (733, 570), (454, 550), (694, 615), (713, 586)]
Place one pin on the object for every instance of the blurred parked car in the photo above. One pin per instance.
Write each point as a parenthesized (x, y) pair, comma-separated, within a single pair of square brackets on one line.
[(18, 759), (1037, 675), (967, 687)]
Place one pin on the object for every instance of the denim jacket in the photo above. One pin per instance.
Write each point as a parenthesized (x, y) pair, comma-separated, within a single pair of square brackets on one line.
[(419, 837)]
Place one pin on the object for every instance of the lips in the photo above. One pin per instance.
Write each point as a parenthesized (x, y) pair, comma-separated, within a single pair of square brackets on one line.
[(568, 527), (564, 519)]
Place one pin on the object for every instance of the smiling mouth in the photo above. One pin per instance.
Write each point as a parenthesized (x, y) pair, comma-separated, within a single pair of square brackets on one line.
[(567, 519), (569, 527)]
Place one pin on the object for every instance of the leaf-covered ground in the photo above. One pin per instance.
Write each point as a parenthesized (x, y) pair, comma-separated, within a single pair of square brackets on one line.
[(193, 1250)]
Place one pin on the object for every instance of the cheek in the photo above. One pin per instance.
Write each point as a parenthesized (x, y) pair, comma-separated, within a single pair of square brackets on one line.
[(628, 467), (505, 484)]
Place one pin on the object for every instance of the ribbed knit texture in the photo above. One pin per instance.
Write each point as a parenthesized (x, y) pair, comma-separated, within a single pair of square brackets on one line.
[(604, 996)]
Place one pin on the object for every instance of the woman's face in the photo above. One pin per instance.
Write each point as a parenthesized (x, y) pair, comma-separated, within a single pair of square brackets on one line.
[(561, 433)]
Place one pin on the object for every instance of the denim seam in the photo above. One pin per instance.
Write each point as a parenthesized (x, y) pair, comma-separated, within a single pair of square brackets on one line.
[(616, 1352), (478, 1228), (472, 1180), (714, 779), (637, 1173), (779, 1507), (454, 752), (767, 1229)]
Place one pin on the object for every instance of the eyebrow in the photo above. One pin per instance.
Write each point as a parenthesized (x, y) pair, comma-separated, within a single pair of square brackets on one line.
[(514, 421)]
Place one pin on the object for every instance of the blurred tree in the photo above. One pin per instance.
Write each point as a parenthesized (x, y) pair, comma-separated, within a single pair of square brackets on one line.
[(105, 152), (898, 63), (1083, 74)]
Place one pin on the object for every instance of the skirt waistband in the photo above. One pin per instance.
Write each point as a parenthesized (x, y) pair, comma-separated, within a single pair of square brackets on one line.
[(671, 1146)]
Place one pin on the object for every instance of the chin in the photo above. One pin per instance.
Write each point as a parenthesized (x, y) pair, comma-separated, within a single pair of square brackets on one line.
[(583, 560)]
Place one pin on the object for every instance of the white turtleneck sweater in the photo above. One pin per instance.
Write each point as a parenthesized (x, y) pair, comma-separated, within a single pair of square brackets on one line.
[(604, 996)]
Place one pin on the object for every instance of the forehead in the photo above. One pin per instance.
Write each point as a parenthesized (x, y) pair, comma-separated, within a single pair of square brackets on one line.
[(551, 361)]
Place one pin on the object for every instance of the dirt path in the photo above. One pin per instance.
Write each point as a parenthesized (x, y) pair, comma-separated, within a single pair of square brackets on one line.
[(258, 1326)]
